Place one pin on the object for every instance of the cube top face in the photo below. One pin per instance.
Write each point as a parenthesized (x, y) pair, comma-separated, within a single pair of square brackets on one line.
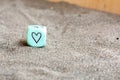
[(36, 36), (36, 27)]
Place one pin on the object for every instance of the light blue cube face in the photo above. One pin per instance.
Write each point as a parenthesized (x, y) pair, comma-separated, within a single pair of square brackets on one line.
[(36, 36)]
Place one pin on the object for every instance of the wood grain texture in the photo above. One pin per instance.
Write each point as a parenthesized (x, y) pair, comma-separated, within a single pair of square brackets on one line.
[(112, 6)]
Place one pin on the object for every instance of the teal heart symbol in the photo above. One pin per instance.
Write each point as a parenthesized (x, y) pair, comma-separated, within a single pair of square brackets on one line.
[(36, 36)]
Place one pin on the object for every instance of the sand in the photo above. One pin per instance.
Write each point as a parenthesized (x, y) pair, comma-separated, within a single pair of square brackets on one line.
[(82, 44)]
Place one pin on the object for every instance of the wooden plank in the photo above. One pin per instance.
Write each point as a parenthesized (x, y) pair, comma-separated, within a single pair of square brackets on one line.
[(112, 6)]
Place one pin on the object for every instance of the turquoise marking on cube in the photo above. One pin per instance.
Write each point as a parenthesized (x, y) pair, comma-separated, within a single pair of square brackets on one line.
[(36, 36)]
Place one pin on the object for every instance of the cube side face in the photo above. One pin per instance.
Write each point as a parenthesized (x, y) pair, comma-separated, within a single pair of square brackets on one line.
[(36, 36)]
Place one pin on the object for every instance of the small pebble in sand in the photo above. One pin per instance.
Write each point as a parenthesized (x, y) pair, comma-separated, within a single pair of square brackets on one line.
[(117, 38)]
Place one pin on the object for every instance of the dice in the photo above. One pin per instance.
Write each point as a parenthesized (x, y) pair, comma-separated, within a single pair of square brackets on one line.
[(36, 35)]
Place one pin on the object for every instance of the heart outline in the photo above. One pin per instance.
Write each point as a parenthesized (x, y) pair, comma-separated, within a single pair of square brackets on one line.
[(36, 34)]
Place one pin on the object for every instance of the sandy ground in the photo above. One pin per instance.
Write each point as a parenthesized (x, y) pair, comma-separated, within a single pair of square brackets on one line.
[(82, 44)]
